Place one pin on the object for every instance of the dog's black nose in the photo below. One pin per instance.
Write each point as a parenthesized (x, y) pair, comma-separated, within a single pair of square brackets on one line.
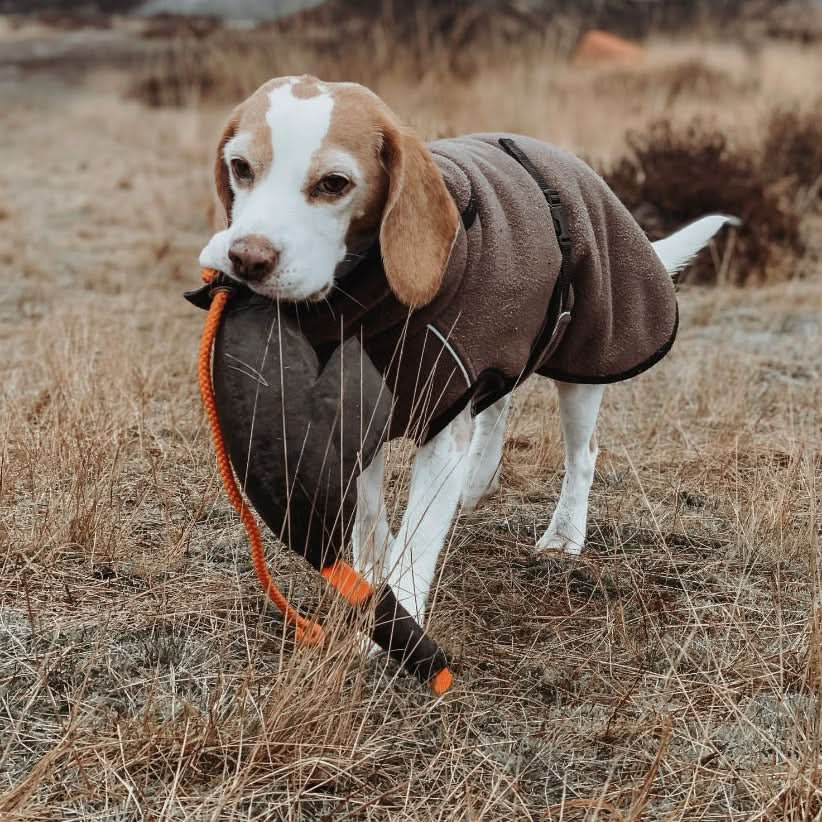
[(253, 257)]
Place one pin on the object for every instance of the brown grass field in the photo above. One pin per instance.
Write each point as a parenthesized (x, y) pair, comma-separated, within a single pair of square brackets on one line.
[(672, 672)]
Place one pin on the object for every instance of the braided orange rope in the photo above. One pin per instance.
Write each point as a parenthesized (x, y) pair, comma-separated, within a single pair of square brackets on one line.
[(307, 631)]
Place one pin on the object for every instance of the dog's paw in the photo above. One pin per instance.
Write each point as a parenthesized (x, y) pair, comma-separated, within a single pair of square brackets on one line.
[(555, 542)]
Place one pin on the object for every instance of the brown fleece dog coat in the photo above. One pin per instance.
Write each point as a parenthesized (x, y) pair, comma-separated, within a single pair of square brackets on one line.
[(493, 322)]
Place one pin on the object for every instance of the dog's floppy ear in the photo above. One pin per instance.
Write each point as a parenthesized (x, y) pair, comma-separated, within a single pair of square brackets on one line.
[(419, 222), (221, 179)]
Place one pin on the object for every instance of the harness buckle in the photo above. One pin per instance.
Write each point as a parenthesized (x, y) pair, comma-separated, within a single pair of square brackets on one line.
[(558, 216)]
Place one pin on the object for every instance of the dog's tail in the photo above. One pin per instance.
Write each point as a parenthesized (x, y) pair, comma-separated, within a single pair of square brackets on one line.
[(680, 248)]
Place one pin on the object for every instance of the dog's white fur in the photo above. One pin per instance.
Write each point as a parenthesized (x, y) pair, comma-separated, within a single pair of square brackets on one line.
[(461, 465)]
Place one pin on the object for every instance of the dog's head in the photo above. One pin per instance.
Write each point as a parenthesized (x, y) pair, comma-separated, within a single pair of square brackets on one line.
[(309, 175)]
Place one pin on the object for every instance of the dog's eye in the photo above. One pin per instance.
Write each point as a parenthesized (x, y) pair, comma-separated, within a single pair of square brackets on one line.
[(333, 185), (242, 170)]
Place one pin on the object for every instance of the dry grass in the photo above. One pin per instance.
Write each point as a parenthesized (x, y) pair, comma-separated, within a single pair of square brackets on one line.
[(673, 672)]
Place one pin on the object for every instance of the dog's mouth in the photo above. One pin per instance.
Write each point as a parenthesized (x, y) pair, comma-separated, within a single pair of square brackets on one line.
[(320, 294), (286, 295)]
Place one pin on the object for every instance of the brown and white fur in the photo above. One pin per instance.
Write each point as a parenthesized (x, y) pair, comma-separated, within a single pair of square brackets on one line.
[(307, 173)]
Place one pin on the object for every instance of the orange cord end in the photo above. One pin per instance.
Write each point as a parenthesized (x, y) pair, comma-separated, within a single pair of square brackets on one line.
[(208, 274), (307, 631), (347, 582), (441, 682)]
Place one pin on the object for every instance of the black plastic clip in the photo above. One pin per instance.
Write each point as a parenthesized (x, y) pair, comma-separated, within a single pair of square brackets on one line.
[(558, 216)]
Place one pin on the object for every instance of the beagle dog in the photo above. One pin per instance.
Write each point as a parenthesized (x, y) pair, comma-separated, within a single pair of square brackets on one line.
[(332, 205)]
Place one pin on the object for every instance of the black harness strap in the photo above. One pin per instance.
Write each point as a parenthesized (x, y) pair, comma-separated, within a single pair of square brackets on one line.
[(562, 289), (492, 384), (469, 213)]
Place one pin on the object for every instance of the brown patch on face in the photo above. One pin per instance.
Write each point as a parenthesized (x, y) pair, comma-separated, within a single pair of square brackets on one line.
[(252, 120), (306, 87), (358, 122)]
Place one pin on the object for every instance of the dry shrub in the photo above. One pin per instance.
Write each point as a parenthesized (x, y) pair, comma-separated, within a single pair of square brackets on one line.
[(793, 21), (672, 175), (630, 18), (793, 149), (161, 26), (686, 78), (225, 65), (226, 68), (369, 38), (179, 76)]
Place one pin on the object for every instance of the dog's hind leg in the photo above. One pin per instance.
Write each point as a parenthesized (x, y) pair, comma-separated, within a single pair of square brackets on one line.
[(437, 479), (579, 408), (485, 454)]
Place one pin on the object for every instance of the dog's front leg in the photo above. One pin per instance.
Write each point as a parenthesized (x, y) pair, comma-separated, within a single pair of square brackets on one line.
[(371, 536), (437, 480), (485, 454)]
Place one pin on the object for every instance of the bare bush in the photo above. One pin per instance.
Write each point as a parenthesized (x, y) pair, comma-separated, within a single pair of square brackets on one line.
[(225, 66), (674, 174), (693, 78), (793, 149)]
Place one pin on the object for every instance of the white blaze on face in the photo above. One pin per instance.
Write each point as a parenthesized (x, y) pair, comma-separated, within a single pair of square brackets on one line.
[(308, 232)]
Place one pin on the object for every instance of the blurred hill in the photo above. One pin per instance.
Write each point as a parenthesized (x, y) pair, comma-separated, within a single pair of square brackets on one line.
[(225, 9)]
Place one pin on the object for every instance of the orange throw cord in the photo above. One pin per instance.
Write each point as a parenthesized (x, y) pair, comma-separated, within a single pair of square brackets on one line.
[(307, 631)]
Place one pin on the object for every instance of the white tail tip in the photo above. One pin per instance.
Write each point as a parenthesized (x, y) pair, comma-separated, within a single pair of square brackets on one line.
[(680, 248)]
